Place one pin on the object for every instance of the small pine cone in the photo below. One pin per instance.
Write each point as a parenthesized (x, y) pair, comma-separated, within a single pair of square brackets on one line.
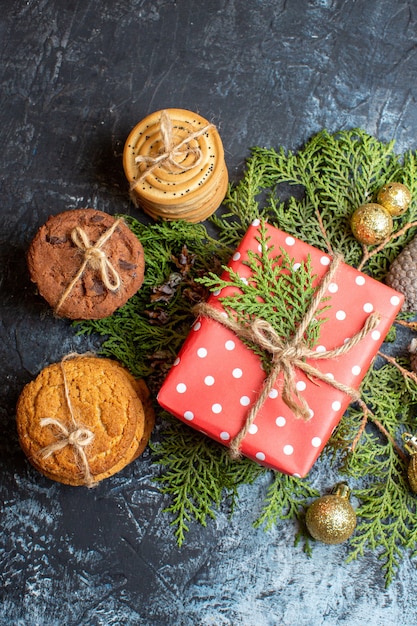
[(412, 349), (402, 275)]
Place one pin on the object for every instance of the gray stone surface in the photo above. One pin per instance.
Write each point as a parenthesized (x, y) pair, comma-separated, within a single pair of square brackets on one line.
[(75, 77)]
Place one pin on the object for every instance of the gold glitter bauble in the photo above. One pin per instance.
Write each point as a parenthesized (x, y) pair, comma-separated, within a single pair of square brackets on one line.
[(410, 442), (332, 519), (371, 224), (395, 197)]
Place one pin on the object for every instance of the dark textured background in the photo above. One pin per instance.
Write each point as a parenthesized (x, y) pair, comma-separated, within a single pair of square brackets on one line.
[(76, 76)]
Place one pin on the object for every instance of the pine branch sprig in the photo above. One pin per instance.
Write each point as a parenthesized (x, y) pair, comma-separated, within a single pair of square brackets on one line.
[(332, 175), (387, 509), (393, 529), (198, 475), (241, 205), (271, 273), (285, 499)]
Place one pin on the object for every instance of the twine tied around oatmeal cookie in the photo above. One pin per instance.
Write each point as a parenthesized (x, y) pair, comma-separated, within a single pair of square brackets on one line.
[(289, 355), (95, 257), (76, 436), (170, 150)]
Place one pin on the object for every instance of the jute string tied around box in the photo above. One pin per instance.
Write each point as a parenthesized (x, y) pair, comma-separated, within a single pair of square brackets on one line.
[(289, 355), (74, 435), (171, 152), (95, 257)]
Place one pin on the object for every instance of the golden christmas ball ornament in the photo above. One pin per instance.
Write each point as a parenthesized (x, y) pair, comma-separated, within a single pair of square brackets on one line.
[(331, 518), (371, 224), (410, 444), (395, 197)]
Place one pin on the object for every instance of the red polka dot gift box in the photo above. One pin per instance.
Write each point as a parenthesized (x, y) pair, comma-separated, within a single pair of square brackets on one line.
[(276, 399)]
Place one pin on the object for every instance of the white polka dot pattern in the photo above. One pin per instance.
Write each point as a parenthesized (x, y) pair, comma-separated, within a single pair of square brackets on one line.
[(216, 378)]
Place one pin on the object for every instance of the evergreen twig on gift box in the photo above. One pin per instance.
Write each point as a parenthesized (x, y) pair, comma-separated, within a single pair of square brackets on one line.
[(310, 194)]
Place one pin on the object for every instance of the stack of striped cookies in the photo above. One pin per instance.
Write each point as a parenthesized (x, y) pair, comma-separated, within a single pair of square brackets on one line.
[(174, 162)]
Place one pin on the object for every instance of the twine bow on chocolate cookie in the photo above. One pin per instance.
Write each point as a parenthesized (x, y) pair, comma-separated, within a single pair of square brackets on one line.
[(76, 436), (171, 151), (96, 258), (289, 355)]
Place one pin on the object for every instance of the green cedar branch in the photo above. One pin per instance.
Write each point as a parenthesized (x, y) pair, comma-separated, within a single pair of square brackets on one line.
[(198, 475), (386, 514)]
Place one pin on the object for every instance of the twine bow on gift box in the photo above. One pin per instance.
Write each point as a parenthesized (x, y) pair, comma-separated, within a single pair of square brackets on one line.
[(95, 257), (76, 436), (289, 355), (171, 154)]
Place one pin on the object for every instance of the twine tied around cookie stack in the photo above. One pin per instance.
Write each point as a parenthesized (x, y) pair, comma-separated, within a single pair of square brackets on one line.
[(174, 162), (286, 356), (96, 258), (76, 436), (174, 155)]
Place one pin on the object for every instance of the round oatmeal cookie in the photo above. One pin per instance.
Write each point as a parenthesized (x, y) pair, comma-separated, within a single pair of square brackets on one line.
[(84, 419), (85, 263)]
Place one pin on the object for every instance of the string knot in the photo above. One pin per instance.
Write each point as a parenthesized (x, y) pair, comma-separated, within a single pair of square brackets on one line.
[(173, 156), (95, 257), (80, 437), (76, 436), (288, 353), (265, 336)]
